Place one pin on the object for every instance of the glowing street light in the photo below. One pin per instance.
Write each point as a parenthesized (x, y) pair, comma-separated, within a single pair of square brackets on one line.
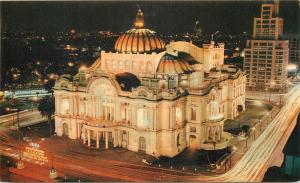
[(52, 76), (82, 68), (70, 64), (292, 67)]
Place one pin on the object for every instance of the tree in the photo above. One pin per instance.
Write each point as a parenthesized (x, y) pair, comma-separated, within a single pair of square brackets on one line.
[(246, 128), (47, 108), (49, 85), (240, 109)]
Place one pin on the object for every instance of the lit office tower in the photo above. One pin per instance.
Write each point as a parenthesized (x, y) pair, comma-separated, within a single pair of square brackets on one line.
[(267, 54)]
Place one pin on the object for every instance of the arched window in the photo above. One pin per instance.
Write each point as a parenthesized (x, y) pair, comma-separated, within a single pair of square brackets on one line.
[(178, 140)]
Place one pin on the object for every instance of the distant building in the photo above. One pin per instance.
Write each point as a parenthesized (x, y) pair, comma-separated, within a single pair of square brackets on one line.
[(266, 55), (294, 48), (151, 97)]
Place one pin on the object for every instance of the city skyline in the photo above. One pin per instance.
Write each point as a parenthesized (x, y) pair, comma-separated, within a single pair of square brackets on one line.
[(231, 17)]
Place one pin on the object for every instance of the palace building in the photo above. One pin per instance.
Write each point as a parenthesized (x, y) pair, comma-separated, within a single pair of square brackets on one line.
[(150, 96)]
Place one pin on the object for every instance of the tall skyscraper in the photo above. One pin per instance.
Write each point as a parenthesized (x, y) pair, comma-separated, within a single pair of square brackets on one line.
[(267, 54)]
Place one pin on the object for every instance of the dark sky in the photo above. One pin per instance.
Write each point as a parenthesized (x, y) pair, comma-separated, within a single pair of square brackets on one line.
[(168, 16)]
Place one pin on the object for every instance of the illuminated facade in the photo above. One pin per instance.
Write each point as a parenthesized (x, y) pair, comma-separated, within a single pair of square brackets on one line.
[(151, 97)]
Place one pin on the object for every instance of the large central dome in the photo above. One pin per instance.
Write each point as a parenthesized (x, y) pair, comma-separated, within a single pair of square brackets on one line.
[(139, 39)]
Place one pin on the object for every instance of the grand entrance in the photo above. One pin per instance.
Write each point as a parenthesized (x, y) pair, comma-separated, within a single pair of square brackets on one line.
[(193, 142), (142, 144), (65, 129)]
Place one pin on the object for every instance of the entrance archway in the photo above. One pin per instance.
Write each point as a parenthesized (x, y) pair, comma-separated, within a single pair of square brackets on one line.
[(65, 129), (142, 144), (193, 142)]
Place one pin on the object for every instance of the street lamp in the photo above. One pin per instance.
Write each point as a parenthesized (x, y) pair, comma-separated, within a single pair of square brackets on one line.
[(52, 172), (20, 163), (271, 86)]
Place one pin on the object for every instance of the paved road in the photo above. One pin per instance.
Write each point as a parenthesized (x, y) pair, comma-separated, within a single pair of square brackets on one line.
[(27, 118)]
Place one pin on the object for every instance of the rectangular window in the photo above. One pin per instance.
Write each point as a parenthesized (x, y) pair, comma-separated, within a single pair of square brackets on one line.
[(193, 129), (193, 114)]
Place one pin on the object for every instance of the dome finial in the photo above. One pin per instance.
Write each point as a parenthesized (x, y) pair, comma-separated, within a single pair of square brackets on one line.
[(139, 19)]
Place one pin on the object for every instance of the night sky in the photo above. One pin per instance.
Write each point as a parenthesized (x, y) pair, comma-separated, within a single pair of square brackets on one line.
[(229, 16)]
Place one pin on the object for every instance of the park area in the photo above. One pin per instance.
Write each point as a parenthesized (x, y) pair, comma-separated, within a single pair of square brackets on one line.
[(255, 111)]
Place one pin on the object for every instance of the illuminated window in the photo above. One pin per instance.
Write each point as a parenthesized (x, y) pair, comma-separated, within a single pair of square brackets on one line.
[(65, 107), (193, 114), (178, 114), (193, 129)]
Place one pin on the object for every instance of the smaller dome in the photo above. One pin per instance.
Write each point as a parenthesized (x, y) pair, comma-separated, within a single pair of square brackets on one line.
[(173, 65)]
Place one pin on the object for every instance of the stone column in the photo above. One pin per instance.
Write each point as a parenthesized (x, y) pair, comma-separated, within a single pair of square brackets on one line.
[(115, 134), (214, 133), (110, 111), (207, 133), (89, 137), (154, 118), (100, 108), (95, 107), (97, 142), (106, 139), (78, 129), (105, 110), (120, 137), (84, 136)]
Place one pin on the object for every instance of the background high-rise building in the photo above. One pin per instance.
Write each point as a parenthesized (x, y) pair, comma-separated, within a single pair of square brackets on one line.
[(266, 55), (294, 48)]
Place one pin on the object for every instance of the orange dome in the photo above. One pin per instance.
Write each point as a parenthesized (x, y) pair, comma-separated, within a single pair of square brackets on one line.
[(139, 39), (173, 65)]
